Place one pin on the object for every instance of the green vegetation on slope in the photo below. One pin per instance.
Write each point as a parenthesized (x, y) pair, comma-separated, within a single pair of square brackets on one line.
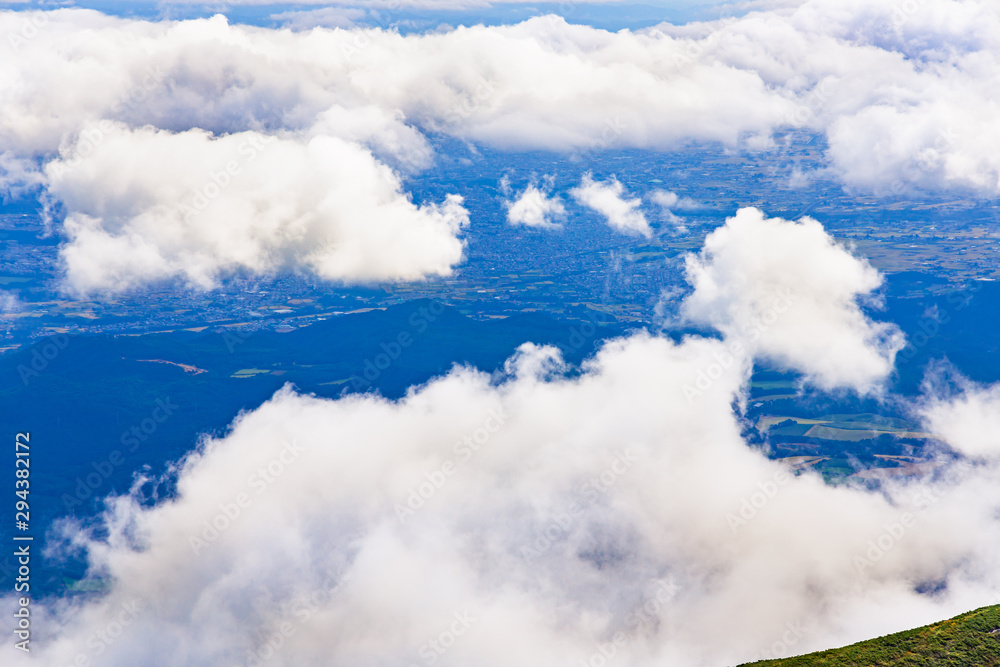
[(963, 641)]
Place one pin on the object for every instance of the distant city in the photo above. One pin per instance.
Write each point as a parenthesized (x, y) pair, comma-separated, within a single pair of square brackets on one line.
[(518, 269)]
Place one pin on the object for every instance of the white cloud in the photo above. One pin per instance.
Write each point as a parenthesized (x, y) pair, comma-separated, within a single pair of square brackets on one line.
[(552, 510), (148, 205), (669, 202), (559, 509), (672, 201), (386, 134), (18, 175), (967, 417), (542, 83), (9, 302), (607, 198), (534, 207), (904, 98), (789, 293), (865, 74), (550, 527)]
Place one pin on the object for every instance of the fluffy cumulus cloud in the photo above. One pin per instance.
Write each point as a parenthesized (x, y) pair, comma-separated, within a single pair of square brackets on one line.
[(966, 416), (669, 202), (535, 206), (385, 133), (540, 83), (789, 293), (530, 517), (822, 65), (609, 199), (151, 204)]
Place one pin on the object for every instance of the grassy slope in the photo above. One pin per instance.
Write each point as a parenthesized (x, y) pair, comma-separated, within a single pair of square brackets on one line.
[(961, 641)]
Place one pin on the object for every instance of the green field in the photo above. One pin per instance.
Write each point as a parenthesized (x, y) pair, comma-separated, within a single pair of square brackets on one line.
[(848, 428), (963, 641), (852, 434), (767, 421)]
